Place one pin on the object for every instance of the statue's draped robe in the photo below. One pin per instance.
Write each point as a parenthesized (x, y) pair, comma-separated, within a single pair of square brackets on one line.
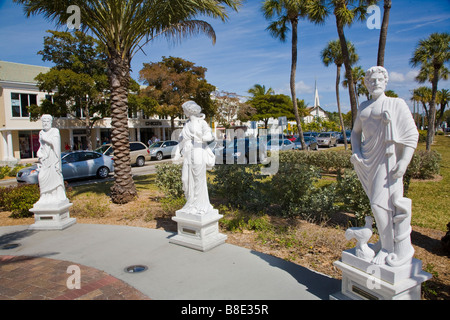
[(50, 175), (197, 158), (385, 132)]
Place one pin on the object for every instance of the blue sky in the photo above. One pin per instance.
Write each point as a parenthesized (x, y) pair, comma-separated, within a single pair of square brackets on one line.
[(245, 54)]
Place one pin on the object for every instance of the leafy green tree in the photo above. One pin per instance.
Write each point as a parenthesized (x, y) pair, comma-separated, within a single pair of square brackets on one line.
[(431, 55), (124, 27), (271, 106), (332, 53), (78, 80), (173, 81)]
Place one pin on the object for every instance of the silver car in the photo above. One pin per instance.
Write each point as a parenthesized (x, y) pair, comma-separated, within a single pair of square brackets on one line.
[(327, 139), (280, 145), (162, 149), (76, 164)]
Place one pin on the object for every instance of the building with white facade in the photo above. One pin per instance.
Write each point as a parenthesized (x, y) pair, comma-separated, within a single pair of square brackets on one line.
[(19, 139)]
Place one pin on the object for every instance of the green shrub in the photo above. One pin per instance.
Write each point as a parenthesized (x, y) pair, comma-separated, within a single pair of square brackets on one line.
[(424, 165), (19, 200), (240, 186), (350, 192), (328, 161), (293, 190), (168, 179)]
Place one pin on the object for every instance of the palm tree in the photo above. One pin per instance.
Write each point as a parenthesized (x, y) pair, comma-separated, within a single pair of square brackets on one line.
[(124, 27), (260, 90), (431, 54), (443, 97), (346, 12), (422, 95), (383, 32), (332, 53), (287, 13), (358, 75)]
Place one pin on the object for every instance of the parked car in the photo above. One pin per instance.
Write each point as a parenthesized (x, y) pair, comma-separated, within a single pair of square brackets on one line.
[(310, 141), (75, 164), (327, 139), (348, 134), (139, 152), (162, 149), (310, 134), (242, 151), (280, 145)]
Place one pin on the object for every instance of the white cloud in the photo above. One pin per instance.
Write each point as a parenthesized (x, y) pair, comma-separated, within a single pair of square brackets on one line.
[(396, 77), (411, 75), (302, 87)]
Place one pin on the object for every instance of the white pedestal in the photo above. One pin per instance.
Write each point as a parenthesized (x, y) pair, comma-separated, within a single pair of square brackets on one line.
[(200, 232), (362, 280), (52, 216)]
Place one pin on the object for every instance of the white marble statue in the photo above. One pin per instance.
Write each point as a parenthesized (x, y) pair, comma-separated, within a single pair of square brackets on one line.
[(384, 138), (51, 181), (197, 158)]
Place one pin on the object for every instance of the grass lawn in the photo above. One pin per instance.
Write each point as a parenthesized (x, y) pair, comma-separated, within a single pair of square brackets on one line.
[(431, 199)]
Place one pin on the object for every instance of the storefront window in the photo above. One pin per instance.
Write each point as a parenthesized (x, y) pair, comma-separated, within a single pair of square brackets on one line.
[(28, 144)]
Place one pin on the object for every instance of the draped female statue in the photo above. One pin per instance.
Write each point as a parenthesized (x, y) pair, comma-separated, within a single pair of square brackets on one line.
[(384, 138), (197, 158), (51, 181)]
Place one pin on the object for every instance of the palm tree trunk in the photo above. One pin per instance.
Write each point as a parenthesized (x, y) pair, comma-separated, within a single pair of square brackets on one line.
[(87, 123), (123, 190), (432, 112), (383, 33), (341, 119), (348, 69), (294, 23)]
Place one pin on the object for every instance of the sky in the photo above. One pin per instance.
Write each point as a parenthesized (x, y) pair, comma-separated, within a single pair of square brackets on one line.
[(246, 54)]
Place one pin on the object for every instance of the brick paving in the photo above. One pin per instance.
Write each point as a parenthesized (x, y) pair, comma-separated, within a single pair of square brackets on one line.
[(36, 278)]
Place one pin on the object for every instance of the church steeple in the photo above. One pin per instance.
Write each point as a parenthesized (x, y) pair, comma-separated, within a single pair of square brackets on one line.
[(316, 99)]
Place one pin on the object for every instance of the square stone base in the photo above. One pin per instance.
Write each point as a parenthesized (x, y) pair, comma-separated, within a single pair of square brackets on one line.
[(362, 280), (199, 232), (54, 217)]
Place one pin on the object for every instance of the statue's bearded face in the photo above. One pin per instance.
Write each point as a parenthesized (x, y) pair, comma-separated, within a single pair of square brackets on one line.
[(377, 83), (46, 124)]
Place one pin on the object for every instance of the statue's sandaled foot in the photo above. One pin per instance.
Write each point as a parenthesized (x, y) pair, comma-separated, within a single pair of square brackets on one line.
[(380, 258)]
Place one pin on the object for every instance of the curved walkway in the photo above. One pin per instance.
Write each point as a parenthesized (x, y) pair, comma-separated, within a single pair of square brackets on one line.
[(37, 268)]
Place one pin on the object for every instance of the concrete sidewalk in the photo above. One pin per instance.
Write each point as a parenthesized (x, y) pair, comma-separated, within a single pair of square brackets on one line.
[(174, 272)]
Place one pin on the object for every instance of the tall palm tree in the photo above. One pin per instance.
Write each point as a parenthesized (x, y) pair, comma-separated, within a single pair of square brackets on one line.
[(431, 55), (287, 13), (383, 32), (346, 13), (332, 53), (124, 27)]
